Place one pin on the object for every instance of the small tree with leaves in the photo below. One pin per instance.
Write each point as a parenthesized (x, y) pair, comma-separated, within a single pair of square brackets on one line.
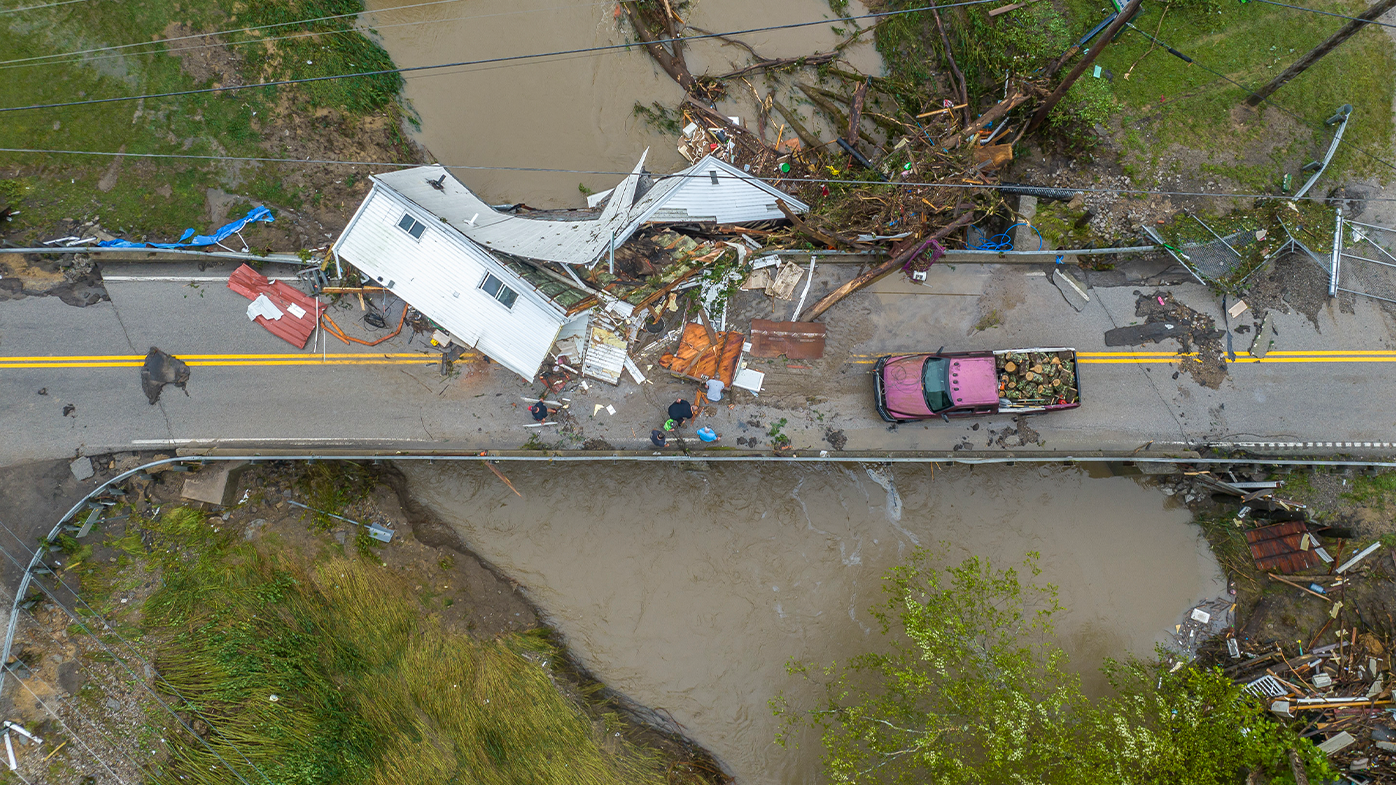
[(972, 688)]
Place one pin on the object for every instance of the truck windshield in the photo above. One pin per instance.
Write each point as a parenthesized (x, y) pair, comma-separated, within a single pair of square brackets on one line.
[(934, 380)]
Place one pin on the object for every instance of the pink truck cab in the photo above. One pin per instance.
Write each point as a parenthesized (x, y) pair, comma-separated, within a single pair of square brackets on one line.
[(912, 387)]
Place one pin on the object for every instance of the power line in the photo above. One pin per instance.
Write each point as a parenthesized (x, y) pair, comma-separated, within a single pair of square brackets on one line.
[(37, 7), (1325, 13), (545, 170), (81, 716), (487, 61), (1270, 100), (218, 32), (78, 620), (25, 62)]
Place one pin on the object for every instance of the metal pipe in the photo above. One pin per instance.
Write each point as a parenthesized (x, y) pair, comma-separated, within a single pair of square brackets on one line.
[(1364, 294), (1335, 256), (1365, 259)]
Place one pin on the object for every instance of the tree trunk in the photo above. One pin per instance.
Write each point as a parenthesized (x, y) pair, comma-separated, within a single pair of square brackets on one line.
[(954, 68), (672, 63), (1106, 37)]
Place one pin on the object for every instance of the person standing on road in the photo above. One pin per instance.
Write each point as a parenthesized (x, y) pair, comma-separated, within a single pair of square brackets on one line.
[(539, 411), (708, 434), (680, 411)]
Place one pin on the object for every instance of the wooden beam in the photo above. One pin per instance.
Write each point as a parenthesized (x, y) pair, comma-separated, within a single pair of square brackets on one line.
[(883, 269), (1317, 53)]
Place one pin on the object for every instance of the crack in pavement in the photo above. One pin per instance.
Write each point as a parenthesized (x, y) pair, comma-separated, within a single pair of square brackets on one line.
[(1182, 431), (116, 311)]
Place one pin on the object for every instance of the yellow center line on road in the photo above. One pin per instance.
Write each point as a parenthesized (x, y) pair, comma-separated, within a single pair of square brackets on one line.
[(221, 360), (118, 357)]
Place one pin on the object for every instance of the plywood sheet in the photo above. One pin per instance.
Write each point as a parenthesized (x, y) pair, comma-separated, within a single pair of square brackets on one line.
[(795, 340)]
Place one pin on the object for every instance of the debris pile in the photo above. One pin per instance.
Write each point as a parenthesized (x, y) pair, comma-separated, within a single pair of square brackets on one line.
[(1340, 691), (1316, 646)]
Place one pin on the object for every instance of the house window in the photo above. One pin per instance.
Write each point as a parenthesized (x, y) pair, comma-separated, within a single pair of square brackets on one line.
[(412, 226), (499, 291)]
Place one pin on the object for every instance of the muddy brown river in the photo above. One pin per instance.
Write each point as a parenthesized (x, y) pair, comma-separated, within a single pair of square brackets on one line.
[(690, 589), (575, 111)]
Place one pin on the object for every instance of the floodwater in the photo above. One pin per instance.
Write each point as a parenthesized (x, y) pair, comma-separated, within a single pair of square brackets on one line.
[(690, 589), (570, 111)]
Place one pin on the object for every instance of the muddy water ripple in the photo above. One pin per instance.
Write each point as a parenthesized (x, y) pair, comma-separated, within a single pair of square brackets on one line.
[(690, 589), (572, 111)]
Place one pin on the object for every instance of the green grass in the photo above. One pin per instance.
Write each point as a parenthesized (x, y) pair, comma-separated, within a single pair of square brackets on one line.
[(1250, 44), (367, 689), (1373, 490), (206, 124), (331, 486)]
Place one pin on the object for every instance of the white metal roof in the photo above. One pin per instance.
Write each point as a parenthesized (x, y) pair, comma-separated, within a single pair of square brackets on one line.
[(710, 190)]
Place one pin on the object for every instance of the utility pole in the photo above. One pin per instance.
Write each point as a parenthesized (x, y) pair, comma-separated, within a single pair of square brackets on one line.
[(1121, 19), (1378, 8)]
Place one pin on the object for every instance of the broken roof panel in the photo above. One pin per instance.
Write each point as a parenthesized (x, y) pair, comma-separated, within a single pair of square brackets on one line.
[(710, 190), (295, 324)]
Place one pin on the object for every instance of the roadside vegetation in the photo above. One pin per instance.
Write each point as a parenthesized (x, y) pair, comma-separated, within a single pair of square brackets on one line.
[(292, 659), (968, 685), (136, 197)]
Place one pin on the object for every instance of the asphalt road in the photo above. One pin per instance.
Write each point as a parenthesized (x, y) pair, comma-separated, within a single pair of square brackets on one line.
[(1323, 389)]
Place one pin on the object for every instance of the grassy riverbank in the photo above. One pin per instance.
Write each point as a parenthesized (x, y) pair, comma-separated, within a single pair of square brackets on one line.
[(294, 652), (1169, 117), (157, 47)]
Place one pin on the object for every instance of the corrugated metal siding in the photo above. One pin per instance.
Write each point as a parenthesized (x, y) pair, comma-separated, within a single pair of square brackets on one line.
[(440, 276), (736, 198), (295, 330)]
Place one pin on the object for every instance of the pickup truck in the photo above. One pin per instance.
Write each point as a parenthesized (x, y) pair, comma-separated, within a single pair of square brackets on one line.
[(944, 384)]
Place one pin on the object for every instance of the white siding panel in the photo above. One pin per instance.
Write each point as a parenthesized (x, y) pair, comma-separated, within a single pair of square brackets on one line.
[(440, 275)]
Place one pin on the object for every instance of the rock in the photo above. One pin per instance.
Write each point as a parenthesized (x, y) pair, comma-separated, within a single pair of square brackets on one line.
[(113, 704), (82, 468), (215, 484), (1167, 491), (254, 528)]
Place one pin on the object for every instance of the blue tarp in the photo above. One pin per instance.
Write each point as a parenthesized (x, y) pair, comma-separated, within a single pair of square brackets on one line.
[(188, 239)]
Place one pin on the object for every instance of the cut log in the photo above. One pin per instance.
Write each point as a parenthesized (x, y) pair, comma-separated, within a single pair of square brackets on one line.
[(994, 155)]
